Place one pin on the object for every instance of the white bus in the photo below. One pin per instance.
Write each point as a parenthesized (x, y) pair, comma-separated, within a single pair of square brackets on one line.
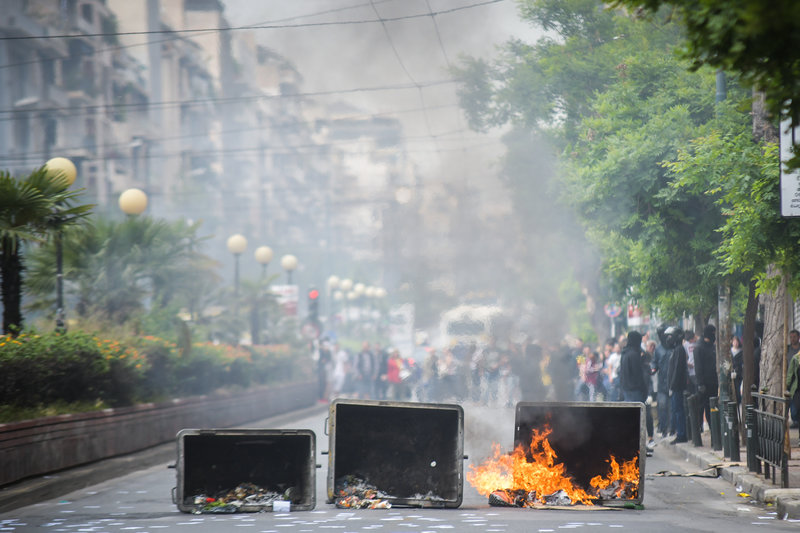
[(474, 323)]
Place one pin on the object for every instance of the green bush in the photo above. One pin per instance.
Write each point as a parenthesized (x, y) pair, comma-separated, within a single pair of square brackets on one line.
[(77, 368)]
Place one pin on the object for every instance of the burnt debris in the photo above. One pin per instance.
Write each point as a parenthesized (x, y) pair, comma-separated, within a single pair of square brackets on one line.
[(246, 497)]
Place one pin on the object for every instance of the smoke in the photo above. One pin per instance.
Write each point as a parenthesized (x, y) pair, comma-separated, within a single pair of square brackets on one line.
[(414, 52)]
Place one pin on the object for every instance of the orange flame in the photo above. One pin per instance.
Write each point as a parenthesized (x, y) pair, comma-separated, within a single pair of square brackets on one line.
[(544, 475)]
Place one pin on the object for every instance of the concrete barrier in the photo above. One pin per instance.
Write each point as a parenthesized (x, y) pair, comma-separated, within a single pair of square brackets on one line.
[(36, 447)]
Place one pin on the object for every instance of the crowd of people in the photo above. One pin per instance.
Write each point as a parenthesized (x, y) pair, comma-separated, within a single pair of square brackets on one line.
[(630, 367), (491, 374)]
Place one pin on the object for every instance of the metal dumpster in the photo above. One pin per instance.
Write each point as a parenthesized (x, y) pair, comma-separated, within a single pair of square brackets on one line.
[(412, 452), (212, 462), (586, 434)]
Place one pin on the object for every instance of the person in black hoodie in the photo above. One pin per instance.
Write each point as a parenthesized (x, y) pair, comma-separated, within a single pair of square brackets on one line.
[(678, 382), (631, 378), (705, 364), (661, 366)]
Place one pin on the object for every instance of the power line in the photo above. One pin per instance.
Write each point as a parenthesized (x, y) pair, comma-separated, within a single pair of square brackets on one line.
[(250, 27), (300, 149), (222, 100), (284, 125), (175, 37), (403, 66), (306, 148)]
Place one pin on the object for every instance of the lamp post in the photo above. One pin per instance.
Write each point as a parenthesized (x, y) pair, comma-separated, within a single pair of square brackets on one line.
[(263, 255), (332, 284), (345, 285), (62, 169), (133, 202), (236, 245), (289, 263)]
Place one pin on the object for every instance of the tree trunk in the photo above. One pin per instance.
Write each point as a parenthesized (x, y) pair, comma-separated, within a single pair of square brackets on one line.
[(748, 343), (724, 332), (773, 351), (11, 285), (774, 342)]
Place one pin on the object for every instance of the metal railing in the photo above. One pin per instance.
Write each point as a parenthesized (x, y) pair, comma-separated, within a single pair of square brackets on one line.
[(767, 420)]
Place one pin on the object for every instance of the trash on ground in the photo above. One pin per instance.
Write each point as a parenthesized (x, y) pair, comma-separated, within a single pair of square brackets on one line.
[(246, 497)]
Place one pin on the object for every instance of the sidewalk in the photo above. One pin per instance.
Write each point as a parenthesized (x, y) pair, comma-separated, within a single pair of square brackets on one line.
[(785, 501)]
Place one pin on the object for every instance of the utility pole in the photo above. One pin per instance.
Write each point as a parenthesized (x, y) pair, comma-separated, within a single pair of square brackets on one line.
[(724, 329)]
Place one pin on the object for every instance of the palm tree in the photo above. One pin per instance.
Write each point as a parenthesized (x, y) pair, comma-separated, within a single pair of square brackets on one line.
[(29, 208), (117, 269)]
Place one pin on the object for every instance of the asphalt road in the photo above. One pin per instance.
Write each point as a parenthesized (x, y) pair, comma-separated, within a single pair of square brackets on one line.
[(141, 502)]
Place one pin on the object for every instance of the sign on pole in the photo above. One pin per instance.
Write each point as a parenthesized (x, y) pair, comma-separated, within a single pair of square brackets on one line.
[(790, 181), (286, 296)]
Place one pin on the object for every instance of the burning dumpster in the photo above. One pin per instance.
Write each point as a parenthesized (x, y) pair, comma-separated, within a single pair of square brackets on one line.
[(245, 470), (568, 454), (395, 453)]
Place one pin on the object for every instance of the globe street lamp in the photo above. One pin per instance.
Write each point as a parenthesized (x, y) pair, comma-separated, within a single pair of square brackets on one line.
[(133, 202), (346, 284), (289, 263), (263, 255), (62, 170), (236, 245)]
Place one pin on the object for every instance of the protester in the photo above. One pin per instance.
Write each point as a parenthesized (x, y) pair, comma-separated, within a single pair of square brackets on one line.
[(705, 364), (529, 371), (631, 379), (737, 363), (678, 382), (661, 367)]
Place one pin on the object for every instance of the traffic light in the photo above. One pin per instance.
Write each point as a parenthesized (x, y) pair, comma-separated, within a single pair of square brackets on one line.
[(313, 304)]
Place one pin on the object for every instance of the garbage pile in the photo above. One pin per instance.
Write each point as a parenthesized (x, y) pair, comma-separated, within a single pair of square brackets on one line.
[(246, 497), (355, 493), (523, 498)]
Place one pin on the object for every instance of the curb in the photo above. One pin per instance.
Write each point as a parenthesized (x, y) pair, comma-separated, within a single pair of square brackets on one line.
[(41, 488), (786, 501)]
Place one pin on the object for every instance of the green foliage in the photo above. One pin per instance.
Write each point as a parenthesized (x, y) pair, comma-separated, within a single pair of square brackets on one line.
[(612, 92), (758, 40), (80, 369), (577, 318), (29, 208), (113, 269), (50, 368)]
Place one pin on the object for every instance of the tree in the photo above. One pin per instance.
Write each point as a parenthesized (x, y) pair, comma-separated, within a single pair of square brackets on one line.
[(29, 209), (609, 93), (117, 269), (759, 40)]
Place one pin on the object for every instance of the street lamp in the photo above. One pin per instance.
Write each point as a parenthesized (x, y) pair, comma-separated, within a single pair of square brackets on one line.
[(63, 170), (333, 282), (359, 289), (346, 284), (133, 202), (289, 263), (264, 256), (236, 245)]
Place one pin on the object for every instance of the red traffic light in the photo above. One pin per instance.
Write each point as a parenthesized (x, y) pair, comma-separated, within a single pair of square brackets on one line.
[(313, 294)]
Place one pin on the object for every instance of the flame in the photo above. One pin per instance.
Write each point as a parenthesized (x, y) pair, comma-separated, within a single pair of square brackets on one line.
[(544, 475)]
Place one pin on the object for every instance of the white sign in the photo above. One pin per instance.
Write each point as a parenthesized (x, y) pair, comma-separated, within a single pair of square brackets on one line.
[(401, 328), (287, 296), (790, 181)]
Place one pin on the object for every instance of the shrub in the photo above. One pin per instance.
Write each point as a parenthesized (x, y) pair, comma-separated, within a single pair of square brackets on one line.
[(42, 370)]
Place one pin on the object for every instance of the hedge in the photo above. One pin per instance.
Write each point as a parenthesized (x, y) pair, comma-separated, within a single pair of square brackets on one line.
[(42, 369)]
